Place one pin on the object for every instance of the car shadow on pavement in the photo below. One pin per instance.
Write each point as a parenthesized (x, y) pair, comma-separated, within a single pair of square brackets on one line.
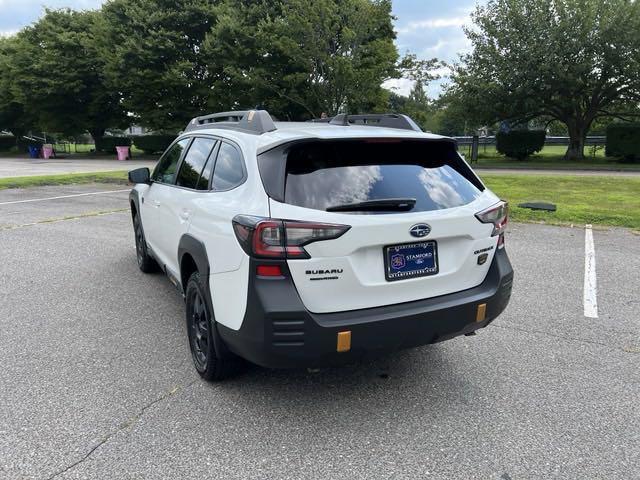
[(426, 375)]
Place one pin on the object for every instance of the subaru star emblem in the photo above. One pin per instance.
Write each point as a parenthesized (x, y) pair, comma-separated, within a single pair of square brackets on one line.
[(420, 230)]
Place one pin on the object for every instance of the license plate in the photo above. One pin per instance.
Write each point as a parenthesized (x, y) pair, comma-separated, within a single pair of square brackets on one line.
[(410, 260)]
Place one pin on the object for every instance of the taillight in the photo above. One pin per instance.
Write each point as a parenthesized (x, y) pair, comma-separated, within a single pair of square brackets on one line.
[(272, 238), (269, 271), (498, 215)]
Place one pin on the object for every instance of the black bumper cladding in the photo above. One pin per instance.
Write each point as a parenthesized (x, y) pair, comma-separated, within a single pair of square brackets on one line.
[(279, 332)]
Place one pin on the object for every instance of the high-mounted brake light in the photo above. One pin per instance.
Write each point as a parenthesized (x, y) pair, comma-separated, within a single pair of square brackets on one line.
[(281, 239), (498, 215)]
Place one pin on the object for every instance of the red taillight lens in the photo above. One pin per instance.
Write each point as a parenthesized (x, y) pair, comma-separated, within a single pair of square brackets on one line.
[(269, 271), (272, 238), (299, 234), (498, 215)]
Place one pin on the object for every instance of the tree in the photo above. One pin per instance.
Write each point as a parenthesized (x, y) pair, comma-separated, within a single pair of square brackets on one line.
[(417, 105), (573, 61), (153, 55), (13, 117), (300, 58), (58, 77)]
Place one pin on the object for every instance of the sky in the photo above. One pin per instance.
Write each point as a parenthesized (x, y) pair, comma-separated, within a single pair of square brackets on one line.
[(428, 28)]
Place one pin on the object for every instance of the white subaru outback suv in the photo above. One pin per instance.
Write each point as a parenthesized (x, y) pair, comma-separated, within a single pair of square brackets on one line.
[(313, 244)]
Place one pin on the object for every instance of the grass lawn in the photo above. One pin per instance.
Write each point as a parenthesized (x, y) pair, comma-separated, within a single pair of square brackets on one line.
[(599, 200), (551, 157), (119, 178)]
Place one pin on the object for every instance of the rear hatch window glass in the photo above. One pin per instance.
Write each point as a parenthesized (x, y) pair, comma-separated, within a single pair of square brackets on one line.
[(326, 175)]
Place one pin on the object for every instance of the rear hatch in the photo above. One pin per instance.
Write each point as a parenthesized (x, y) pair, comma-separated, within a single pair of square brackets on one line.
[(411, 207)]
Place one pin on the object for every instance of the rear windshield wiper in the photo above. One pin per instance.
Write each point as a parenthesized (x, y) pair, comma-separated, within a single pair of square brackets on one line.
[(383, 204)]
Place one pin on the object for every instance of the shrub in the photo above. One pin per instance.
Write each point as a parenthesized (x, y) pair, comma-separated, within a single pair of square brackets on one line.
[(109, 144), (520, 143), (153, 143), (7, 142), (623, 140)]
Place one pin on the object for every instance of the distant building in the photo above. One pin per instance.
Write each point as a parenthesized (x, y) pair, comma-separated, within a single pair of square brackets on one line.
[(134, 130)]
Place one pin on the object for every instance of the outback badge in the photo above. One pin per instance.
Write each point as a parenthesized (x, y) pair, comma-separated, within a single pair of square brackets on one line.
[(420, 230)]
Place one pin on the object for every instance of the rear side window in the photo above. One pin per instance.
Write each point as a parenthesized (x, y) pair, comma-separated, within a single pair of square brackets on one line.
[(194, 162), (322, 175), (165, 171), (229, 170), (205, 177)]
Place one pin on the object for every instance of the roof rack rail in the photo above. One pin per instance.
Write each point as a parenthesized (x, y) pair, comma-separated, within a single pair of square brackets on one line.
[(387, 120), (250, 121)]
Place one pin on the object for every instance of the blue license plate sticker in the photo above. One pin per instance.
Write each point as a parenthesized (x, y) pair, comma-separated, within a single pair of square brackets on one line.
[(411, 260)]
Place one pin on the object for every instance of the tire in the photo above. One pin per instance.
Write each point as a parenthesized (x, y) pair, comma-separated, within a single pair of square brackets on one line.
[(146, 262), (211, 364)]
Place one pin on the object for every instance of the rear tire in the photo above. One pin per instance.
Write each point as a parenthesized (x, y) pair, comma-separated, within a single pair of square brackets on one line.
[(146, 263), (209, 363)]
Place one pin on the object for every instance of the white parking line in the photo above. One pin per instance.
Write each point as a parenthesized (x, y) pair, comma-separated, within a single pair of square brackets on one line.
[(63, 196), (590, 287)]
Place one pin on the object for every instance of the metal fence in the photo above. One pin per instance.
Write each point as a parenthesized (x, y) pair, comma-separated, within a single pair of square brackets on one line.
[(564, 141), (470, 148)]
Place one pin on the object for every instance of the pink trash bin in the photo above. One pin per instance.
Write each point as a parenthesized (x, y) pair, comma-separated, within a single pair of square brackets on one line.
[(47, 151), (123, 153)]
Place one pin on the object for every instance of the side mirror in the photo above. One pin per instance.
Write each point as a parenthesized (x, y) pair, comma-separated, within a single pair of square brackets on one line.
[(140, 175)]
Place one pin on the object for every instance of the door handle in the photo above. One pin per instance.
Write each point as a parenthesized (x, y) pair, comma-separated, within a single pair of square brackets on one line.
[(156, 203)]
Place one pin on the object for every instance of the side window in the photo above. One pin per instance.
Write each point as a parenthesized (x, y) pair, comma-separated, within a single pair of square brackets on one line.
[(194, 161), (203, 182), (165, 171), (229, 171)]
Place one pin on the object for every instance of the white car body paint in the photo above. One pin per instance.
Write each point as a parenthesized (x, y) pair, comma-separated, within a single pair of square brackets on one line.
[(358, 253)]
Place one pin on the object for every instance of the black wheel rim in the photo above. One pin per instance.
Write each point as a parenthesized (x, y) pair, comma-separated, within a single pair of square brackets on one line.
[(139, 243), (198, 330)]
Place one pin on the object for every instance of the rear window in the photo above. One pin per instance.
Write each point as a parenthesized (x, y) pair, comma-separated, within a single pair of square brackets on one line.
[(322, 175)]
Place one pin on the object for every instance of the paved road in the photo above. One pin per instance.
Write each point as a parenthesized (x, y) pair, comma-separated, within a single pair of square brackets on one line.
[(96, 378), (23, 167), (18, 167)]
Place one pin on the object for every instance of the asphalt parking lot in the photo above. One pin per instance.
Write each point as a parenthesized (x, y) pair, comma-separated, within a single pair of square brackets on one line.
[(96, 378), (20, 166)]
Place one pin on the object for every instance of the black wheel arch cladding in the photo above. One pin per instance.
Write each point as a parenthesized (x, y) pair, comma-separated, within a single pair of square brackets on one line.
[(191, 247)]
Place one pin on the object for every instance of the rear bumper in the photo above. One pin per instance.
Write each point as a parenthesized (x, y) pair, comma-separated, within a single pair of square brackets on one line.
[(279, 332)]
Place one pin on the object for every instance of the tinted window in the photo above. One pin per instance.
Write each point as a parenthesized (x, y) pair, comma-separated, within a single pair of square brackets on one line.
[(165, 171), (194, 162), (325, 175), (203, 182), (228, 171)]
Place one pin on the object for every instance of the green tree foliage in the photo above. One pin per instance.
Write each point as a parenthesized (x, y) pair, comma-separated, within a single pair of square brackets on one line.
[(57, 75), (418, 106), (152, 50), (300, 58), (162, 62), (13, 117), (573, 61)]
